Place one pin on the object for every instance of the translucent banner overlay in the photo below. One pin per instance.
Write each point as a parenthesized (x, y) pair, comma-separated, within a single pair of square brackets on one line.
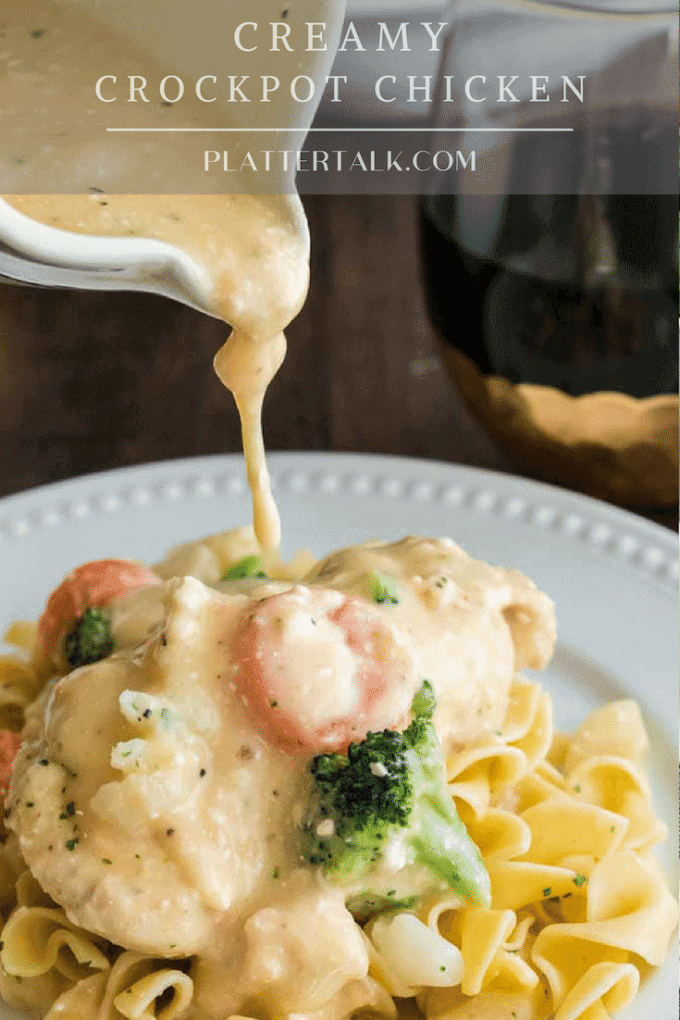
[(477, 99)]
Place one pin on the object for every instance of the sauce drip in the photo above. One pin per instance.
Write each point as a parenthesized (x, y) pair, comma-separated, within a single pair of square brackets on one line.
[(246, 365)]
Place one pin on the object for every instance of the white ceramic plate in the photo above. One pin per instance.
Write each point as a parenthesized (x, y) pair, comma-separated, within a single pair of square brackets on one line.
[(613, 575)]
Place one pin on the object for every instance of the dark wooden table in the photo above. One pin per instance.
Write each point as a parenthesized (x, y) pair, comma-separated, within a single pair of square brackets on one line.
[(94, 381)]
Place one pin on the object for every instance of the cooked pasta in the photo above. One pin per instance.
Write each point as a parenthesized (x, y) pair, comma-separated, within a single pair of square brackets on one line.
[(564, 824)]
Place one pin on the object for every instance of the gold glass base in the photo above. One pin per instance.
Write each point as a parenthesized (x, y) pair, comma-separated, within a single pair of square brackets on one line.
[(609, 445)]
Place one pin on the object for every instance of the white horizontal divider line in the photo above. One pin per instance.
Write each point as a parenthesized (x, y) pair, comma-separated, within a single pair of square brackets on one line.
[(351, 130)]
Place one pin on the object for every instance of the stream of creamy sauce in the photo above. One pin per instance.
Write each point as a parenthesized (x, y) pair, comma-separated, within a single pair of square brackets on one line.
[(254, 248), (259, 264)]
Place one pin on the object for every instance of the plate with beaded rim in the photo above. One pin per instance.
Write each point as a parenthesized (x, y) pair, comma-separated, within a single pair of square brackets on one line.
[(613, 575)]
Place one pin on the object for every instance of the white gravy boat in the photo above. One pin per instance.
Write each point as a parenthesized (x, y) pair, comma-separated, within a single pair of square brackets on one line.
[(46, 257)]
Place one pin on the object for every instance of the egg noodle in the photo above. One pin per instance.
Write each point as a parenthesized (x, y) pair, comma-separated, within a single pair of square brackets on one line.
[(579, 907)]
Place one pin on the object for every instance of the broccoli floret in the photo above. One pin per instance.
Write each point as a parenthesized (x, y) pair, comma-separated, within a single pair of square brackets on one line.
[(382, 589), (391, 786), (245, 569), (90, 640)]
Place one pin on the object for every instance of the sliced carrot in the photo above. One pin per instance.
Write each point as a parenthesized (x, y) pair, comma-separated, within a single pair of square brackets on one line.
[(92, 584), (317, 670), (9, 747)]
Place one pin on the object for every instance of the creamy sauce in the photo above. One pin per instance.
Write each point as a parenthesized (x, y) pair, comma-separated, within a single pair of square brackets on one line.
[(471, 626), (151, 802)]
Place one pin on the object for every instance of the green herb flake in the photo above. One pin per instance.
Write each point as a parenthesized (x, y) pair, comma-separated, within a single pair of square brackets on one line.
[(577, 789), (547, 891), (275, 872), (244, 570), (70, 808), (106, 860), (580, 880), (442, 969), (37, 33), (71, 844), (30, 803), (382, 589)]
